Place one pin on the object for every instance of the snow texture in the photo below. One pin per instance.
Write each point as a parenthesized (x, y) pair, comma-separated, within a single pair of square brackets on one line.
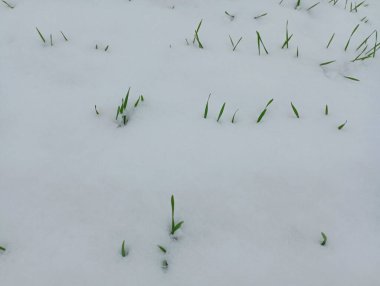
[(254, 197)]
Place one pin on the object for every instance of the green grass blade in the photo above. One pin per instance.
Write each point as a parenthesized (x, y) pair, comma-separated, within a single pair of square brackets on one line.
[(313, 6), (124, 252), (41, 36), (269, 103), (2, 248), (352, 78), (137, 102), (237, 44), (197, 30), (261, 15), (340, 127), (286, 43), (221, 112), (126, 99), (233, 117), (177, 226), (206, 107), (172, 205), (324, 239), (331, 39), (163, 249), (326, 110), (261, 115), (295, 110), (327, 63), (349, 39), (64, 36), (6, 3)]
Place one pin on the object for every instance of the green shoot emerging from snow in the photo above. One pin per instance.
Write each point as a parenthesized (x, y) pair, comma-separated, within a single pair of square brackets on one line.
[(259, 16), (349, 39), (96, 111), (64, 36), (175, 226), (232, 17), (260, 43), (2, 248), (123, 106), (351, 78), (6, 3), (124, 251), (41, 36), (331, 39), (287, 37), (326, 110), (264, 111), (340, 127), (221, 112), (324, 239), (298, 4), (163, 249), (233, 117), (233, 44), (206, 107), (196, 35), (295, 110), (327, 63), (311, 7)]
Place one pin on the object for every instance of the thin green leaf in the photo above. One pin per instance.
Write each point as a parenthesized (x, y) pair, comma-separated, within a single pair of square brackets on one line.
[(261, 115), (342, 125), (221, 112), (324, 239), (327, 63), (162, 248), (206, 107), (351, 78), (124, 252), (233, 117), (41, 36), (295, 110)]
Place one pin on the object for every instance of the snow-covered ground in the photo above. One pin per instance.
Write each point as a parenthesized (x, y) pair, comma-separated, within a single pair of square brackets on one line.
[(254, 197)]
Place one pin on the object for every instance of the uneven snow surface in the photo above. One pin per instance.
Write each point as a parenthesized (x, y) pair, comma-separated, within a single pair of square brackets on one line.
[(254, 197)]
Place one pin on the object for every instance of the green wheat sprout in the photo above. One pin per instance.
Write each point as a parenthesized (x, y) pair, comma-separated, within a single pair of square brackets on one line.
[(340, 127), (295, 110), (260, 43), (221, 112), (174, 226), (324, 239), (206, 107)]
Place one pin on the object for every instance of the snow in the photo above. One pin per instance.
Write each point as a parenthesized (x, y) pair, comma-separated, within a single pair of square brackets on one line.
[(254, 197)]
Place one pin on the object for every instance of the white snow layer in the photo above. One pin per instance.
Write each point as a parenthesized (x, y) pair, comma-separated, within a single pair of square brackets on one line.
[(254, 197)]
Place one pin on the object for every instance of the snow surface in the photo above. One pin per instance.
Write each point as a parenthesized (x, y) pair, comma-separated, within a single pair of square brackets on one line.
[(254, 197)]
